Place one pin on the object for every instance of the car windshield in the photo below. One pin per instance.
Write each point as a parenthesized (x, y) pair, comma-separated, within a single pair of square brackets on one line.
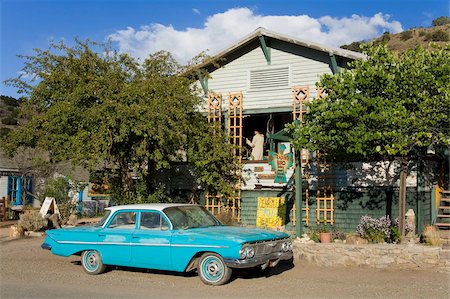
[(102, 221), (184, 217)]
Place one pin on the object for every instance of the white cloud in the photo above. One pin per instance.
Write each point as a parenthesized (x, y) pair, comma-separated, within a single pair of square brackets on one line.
[(196, 10), (223, 29)]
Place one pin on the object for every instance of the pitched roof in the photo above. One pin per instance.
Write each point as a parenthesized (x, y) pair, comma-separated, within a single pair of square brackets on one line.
[(281, 37)]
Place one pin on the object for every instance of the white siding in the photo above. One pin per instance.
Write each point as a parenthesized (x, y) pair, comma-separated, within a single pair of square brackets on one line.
[(234, 77), (3, 186)]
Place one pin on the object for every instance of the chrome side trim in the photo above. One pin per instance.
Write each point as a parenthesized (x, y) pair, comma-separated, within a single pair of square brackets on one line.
[(140, 244)]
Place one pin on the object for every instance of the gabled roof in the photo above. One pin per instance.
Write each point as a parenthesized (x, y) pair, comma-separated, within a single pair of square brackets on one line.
[(281, 37)]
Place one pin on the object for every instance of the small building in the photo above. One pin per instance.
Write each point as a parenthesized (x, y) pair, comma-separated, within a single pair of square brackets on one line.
[(261, 83), (13, 184)]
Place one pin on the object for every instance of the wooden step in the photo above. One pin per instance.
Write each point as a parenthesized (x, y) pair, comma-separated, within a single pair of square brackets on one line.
[(443, 224)]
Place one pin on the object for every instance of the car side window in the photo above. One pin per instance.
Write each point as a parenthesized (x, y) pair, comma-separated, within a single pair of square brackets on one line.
[(153, 221), (123, 220)]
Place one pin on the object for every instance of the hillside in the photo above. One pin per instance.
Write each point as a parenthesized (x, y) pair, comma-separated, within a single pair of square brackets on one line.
[(8, 114), (409, 39)]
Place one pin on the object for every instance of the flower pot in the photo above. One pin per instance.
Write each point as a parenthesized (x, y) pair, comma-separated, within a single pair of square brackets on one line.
[(325, 237)]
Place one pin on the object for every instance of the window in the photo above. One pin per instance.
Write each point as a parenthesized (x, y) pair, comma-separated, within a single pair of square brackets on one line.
[(123, 220), (153, 221)]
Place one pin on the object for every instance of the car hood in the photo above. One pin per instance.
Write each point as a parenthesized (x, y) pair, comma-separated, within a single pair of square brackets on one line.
[(234, 234)]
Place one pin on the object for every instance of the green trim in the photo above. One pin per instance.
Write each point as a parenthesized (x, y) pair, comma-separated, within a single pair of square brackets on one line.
[(267, 110), (433, 206), (203, 82), (334, 66), (265, 49), (280, 136), (298, 195)]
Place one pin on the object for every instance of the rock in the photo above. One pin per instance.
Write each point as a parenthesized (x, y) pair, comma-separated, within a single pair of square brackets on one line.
[(356, 240), (15, 231)]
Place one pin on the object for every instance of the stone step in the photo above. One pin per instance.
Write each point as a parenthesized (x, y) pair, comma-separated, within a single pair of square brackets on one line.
[(445, 199), (443, 216), (445, 191), (444, 207)]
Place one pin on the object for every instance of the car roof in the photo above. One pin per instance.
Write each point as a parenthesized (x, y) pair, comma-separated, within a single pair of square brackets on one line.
[(147, 206)]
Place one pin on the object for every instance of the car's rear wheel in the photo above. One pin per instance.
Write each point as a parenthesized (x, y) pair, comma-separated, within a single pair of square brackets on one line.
[(92, 262), (212, 269)]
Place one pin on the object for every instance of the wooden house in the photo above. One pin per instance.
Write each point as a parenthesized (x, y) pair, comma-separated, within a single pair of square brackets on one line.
[(262, 83)]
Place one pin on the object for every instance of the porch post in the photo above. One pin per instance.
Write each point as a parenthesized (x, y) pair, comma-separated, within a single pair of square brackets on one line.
[(298, 194), (19, 191)]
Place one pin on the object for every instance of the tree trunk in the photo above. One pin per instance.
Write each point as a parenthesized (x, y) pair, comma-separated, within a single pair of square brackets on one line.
[(402, 200)]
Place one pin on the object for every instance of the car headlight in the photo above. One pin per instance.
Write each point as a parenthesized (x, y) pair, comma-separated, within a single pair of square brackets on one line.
[(250, 252), (286, 246), (243, 253)]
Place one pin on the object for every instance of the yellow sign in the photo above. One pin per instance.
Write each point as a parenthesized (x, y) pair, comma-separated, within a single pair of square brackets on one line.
[(271, 212)]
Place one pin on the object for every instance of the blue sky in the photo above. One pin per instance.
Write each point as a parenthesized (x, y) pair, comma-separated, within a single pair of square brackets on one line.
[(185, 28)]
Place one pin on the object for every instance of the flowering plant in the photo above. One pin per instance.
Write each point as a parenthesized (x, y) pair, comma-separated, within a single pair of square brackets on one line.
[(375, 230)]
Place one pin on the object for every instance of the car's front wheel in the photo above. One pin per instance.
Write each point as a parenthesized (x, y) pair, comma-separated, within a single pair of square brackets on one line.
[(92, 262), (213, 270)]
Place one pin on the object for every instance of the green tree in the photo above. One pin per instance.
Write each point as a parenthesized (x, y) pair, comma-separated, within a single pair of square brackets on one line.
[(386, 107), (100, 109), (441, 21)]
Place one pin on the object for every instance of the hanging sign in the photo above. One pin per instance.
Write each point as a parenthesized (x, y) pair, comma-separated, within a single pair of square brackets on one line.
[(280, 163)]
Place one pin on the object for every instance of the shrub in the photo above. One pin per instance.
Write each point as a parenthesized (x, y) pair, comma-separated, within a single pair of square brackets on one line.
[(405, 35), (32, 221), (4, 131), (441, 21), (59, 189), (431, 236), (374, 230), (438, 36), (9, 121)]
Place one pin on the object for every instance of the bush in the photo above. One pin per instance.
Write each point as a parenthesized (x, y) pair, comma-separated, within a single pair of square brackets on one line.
[(59, 189), (405, 35), (4, 132), (431, 236), (32, 221), (438, 36), (9, 121), (375, 230), (441, 21)]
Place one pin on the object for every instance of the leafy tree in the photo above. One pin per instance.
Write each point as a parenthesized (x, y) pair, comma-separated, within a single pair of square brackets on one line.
[(386, 107), (100, 109), (441, 21)]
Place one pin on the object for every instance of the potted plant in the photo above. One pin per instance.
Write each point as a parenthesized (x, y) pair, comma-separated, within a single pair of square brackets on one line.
[(325, 233)]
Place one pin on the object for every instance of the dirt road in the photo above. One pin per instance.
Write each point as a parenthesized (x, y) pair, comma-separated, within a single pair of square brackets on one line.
[(27, 271)]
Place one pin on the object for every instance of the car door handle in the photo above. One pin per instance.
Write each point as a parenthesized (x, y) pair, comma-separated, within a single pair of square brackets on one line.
[(136, 237), (101, 235)]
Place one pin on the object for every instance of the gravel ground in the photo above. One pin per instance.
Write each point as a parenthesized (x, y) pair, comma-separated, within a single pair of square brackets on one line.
[(27, 271)]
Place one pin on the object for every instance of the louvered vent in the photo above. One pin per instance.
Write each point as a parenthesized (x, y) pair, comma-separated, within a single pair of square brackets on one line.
[(269, 78)]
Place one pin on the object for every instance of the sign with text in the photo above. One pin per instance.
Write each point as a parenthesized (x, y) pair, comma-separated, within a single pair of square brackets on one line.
[(49, 204), (271, 212)]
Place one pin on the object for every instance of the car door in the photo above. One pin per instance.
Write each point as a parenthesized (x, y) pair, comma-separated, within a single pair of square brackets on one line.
[(115, 238), (151, 242)]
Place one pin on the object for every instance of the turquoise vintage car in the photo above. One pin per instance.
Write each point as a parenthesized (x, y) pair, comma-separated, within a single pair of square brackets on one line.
[(174, 237)]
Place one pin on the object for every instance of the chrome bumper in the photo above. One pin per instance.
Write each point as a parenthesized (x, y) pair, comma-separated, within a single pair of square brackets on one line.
[(260, 260)]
